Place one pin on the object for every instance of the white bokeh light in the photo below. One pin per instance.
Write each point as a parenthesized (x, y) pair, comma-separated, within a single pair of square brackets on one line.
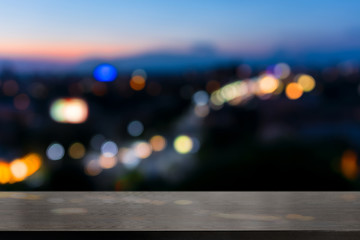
[(201, 98), (109, 149)]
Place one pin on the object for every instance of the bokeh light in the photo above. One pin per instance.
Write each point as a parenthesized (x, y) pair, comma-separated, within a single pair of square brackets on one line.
[(19, 170), (93, 168), (33, 162), (307, 82), (137, 83), (135, 128), (158, 143), (128, 158), (5, 174), (105, 73), (293, 91), (268, 84), (216, 98), (55, 151), (69, 110), (282, 70), (139, 72), (201, 98), (107, 162), (183, 144), (229, 92), (201, 111), (143, 96), (109, 149), (77, 150), (349, 167), (142, 149), (195, 145)]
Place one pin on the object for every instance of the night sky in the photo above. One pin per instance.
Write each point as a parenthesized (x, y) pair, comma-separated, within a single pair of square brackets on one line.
[(79, 28)]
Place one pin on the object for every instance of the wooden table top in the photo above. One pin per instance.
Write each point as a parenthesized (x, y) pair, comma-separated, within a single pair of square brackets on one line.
[(180, 211)]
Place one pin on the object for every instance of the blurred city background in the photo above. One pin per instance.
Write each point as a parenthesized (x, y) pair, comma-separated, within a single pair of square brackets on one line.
[(183, 95)]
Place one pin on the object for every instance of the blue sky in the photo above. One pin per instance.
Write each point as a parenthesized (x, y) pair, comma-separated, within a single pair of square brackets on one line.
[(77, 28)]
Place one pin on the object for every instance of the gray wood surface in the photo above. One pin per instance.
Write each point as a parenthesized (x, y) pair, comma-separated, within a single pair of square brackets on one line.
[(178, 211)]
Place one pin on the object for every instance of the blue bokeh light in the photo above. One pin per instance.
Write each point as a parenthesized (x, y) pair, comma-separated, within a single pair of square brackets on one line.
[(105, 73)]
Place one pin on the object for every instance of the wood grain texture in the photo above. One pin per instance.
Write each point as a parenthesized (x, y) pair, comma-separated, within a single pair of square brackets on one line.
[(181, 235), (181, 211)]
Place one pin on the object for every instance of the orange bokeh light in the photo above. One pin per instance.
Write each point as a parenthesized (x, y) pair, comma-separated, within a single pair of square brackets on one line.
[(19, 169), (33, 163), (349, 167), (137, 83), (107, 162), (158, 143), (293, 91), (5, 174)]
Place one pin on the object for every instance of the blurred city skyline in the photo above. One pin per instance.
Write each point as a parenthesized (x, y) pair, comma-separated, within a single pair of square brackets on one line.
[(75, 30), (156, 95)]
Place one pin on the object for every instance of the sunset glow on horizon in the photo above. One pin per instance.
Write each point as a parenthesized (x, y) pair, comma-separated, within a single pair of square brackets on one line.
[(64, 52), (72, 30)]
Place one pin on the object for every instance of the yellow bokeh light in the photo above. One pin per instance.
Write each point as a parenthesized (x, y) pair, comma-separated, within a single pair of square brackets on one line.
[(216, 98), (268, 84), (137, 83), (229, 92), (77, 150), (183, 144), (307, 82), (158, 143), (5, 173), (142, 150), (18, 169), (293, 91)]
